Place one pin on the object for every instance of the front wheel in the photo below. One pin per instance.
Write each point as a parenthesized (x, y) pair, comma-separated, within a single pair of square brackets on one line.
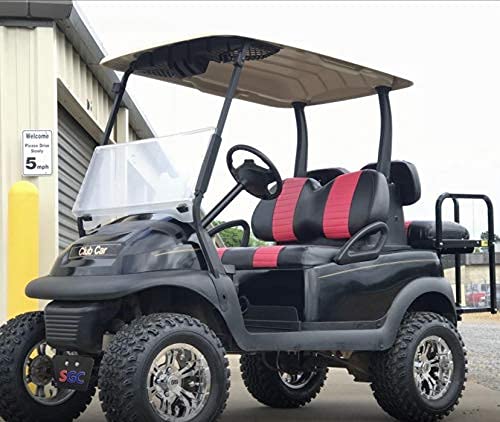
[(164, 367), (422, 377), (280, 389), (28, 392)]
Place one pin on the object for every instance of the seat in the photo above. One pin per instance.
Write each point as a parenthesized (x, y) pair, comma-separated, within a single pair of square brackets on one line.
[(404, 175), (422, 234), (323, 176), (309, 222), (278, 256)]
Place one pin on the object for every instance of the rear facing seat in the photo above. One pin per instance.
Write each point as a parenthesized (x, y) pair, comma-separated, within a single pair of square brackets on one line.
[(422, 234), (310, 222), (419, 234)]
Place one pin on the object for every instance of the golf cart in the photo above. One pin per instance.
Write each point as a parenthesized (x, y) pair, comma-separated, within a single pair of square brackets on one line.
[(146, 307)]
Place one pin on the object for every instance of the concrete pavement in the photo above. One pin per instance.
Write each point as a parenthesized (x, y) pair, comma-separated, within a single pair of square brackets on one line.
[(341, 400)]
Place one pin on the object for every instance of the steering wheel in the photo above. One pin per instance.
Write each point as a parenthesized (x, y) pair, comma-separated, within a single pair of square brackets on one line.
[(255, 179)]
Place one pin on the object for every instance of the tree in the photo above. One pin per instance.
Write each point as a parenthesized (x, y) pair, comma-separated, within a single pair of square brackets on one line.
[(484, 236), (232, 237)]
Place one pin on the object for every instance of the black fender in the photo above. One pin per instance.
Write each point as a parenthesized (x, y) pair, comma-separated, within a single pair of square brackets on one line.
[(108, 287), (219, 292), (407, 297)]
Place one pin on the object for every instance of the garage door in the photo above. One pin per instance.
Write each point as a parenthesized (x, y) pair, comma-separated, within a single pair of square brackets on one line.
[(75, 151)]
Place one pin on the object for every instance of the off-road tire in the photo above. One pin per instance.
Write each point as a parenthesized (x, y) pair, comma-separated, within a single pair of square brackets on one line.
[(266, 386), (124, 368), (393, 381), (17, 337)]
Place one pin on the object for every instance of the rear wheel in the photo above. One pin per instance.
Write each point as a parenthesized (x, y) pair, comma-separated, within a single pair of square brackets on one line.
[(422, 377), (277, 388), (28, 392), (164, 367)]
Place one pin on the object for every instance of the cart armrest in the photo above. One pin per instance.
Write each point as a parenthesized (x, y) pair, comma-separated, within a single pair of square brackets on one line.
[(234, 223), (349, 255)]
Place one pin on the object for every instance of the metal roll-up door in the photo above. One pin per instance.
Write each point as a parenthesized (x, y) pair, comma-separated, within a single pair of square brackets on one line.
[(75, 151)]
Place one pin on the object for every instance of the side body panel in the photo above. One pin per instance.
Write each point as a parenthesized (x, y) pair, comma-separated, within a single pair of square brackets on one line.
[(364, 291)]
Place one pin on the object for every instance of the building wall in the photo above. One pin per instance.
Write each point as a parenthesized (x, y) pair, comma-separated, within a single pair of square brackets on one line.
[(82, 93), (471, 274), (27, 101), (477, 274), (39, 67)]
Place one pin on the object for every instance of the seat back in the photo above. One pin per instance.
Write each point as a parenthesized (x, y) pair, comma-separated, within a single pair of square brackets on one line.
[(404, 189), (405, 176), (306, 212), (323, 176)]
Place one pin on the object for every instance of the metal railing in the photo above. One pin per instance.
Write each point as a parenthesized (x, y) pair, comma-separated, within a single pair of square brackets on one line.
[(460, 247)]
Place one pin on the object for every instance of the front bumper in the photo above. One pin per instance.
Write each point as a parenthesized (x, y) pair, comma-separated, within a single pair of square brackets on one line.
[(78, 326)]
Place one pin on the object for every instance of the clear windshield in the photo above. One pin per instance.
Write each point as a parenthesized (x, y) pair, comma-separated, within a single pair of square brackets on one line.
[(150, 176)]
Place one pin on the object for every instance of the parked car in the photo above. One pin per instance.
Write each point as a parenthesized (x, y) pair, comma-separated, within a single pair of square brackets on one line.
[(475, 295), (487, 296)]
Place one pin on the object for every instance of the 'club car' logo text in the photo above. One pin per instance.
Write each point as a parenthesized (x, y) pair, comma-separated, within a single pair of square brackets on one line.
[(97, 250)]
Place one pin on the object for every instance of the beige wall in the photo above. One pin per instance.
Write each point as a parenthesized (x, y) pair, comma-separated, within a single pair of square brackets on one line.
[(477, 274), (79, 81), (39, 68), (471, 274), (27, 101), (82, 94)]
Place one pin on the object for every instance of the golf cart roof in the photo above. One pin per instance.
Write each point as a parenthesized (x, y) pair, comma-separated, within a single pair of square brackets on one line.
[(274, 74)]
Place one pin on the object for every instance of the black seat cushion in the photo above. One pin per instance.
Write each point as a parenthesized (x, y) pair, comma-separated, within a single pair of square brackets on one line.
[(324, 176), (422, 234), (306, 212), (279, 256), (405, 176)]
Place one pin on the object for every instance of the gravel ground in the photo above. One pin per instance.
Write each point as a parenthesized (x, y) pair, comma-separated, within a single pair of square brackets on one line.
[(482, 340)]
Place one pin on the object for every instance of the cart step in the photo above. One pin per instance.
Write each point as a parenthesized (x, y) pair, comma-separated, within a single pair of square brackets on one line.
[(454, 246), (475, 310), (262, 326), (271, 318)]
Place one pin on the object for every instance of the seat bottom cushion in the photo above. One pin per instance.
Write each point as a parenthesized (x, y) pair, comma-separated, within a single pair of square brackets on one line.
[(422, 234), (278, 256)]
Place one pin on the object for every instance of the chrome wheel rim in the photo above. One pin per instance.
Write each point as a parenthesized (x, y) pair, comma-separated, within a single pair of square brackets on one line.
[(179, 382), (39, 379), (296, 381), (433, 368)]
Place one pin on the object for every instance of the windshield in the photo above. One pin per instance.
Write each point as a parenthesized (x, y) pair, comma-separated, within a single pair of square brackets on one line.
[(155, 175)]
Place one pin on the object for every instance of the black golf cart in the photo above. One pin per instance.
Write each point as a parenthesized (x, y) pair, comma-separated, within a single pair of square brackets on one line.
[(145, 307)]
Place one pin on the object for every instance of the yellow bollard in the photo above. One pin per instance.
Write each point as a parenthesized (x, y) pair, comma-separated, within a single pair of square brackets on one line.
[(22, 246)]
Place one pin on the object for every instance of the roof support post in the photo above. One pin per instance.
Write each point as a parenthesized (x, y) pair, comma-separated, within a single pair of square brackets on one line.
[(214, 264), (119, 90), (213, 148), (302, 145), (385, 146)]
